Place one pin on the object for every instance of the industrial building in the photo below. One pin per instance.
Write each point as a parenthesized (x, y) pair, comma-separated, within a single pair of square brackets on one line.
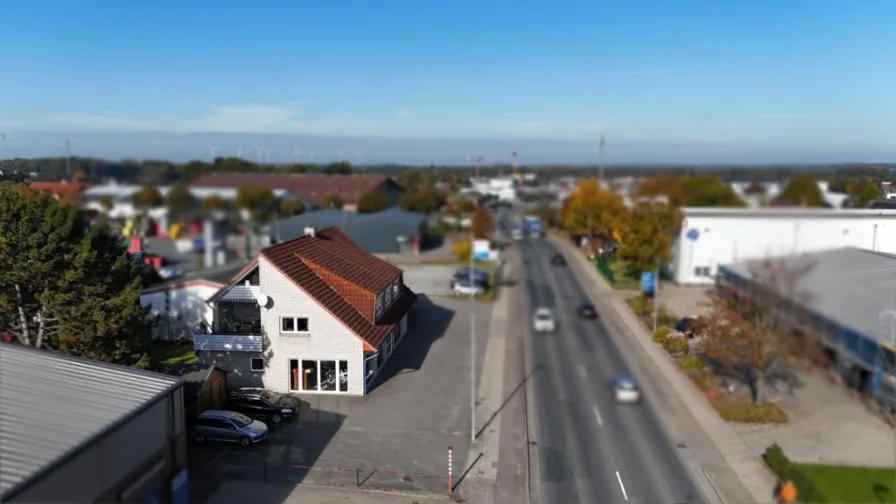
[(76, 430), (710, 237), (847, 297)]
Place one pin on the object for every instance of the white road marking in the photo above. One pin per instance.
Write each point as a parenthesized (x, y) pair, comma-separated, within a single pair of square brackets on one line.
[(582, 371), (600, 421), (619, 479)]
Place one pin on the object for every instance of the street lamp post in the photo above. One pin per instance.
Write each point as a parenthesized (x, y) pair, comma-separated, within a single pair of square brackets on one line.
[(472, 344)]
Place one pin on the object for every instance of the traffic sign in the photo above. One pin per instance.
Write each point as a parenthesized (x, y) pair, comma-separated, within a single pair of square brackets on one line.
[(693, 234)]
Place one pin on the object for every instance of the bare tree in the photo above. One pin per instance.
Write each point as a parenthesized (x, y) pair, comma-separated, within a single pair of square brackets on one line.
[(754, 328)]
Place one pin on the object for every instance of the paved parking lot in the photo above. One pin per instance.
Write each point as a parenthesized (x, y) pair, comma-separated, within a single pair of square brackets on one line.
[(429, 279), (397, 437)]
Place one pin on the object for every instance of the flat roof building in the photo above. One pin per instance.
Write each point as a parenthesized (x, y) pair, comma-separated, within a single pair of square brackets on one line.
[(76, 430)]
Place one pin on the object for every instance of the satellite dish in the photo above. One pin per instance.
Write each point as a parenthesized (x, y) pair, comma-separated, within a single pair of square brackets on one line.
[(262, 299)]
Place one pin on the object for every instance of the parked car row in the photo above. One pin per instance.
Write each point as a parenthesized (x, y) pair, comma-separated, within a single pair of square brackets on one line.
[(469, 281), (243, 419)]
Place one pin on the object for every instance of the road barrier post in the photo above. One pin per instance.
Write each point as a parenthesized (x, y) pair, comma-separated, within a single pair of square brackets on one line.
[(450, 471)]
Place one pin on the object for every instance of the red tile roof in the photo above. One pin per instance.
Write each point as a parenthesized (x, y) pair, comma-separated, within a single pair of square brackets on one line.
[(313, 186), (332, 250), (59, 190)]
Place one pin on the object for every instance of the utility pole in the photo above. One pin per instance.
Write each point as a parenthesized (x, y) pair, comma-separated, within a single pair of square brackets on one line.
[(68, 160), (472, 342), (656, 295), (516, 174), (477, 160), (600, 161)]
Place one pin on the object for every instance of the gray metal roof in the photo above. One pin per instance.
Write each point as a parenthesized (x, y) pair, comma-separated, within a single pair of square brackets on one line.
[(849, 286), (51, 405)]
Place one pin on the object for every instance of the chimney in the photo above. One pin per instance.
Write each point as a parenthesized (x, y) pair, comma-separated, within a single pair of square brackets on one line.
[(309, 231)]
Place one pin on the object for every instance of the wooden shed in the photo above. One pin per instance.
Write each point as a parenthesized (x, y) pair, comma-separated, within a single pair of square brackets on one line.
[(205, 387)]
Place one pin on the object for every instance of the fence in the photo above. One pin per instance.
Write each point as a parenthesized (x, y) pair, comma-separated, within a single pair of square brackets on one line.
[(250, 468), (603, 266)]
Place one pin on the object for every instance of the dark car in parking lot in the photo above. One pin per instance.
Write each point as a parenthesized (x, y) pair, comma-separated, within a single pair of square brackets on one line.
[(587, 311), (263, 404), (558, 260)]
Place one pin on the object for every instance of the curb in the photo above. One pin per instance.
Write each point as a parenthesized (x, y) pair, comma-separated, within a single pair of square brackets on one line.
[(533, 465)]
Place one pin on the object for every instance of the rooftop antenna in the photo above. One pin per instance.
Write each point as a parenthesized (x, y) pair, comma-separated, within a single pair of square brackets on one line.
[(258, 152), (600, 161), (212, 149)]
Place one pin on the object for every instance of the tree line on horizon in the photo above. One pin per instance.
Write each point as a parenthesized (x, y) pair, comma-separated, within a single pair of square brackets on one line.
[(162, 172)]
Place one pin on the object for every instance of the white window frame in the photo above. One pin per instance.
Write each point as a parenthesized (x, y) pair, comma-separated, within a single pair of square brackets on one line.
[(379, 306), (388, 296), (295, 323), (252, 368)]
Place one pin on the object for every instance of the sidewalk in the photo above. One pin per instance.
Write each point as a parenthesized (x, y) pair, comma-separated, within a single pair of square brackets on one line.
[(693, 407), (275, 493)]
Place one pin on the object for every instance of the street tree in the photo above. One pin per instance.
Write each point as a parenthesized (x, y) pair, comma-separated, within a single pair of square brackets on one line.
[(462, 249), (481, 223), (259, 202), (646, 239), (595, 209), (214, 203), (290, 207), (748, 331), (332, 201), (664, 184), (373, 202), (148, 197), (863, 190), (65, 287), (802, 190), (179, 199), (425, 200)]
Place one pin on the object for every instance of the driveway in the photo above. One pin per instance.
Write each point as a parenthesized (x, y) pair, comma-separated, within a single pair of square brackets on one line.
[(430, 279), (397, 437)]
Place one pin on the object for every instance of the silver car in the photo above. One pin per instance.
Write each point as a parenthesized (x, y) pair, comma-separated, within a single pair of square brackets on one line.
[(626, 390), (230, 426)]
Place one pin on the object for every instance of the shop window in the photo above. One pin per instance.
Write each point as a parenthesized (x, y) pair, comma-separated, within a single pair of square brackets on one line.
[(293, 324), (343, 376), (256, 365), (329, 372), (309, 375)]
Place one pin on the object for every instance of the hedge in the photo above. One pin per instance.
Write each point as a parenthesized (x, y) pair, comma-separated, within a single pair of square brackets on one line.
[(777, 461)]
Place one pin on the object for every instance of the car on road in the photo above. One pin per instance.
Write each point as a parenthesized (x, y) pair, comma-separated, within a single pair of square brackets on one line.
[(625, 389), (228, 426), (464, 287), (517, 234), (263, 404), (544, 321), (558, 260), (587, 311)]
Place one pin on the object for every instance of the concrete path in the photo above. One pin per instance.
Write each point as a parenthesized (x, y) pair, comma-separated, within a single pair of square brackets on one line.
[(274, 493), (716, 450)]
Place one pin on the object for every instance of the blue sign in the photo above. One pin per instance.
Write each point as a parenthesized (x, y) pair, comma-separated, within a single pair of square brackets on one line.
[(648, 282), (693, 234)]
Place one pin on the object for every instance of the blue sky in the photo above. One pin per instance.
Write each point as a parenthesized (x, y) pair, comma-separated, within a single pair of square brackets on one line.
[(801, 79)]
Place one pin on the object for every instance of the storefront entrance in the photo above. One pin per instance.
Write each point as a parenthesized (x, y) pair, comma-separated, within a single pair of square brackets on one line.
[(318, 375)]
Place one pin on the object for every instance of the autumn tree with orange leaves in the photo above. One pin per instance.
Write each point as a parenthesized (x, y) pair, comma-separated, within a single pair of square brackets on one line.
[(754, 328), (592, 206)]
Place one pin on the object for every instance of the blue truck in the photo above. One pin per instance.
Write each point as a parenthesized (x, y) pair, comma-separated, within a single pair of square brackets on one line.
[(532, 227)]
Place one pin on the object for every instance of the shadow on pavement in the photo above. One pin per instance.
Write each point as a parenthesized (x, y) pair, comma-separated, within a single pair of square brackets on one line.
[(516, 389), (427, 322)]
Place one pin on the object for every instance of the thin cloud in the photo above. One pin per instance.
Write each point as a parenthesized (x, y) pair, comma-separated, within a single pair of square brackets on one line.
[(642, 71), (788, 116)]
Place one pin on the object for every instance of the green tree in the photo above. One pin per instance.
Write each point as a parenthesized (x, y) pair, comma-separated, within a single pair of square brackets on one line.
[(65, 288), (863, 190), (802, 190), (426, 200), (648, 236), (148, 197), (481, 223), (260, 202), (107, 203), (664, 184), (372, 202), (290, 207), (332, 201), (339, 168), (410, 180), (179, 199), (710, 191), (214, 203), (465, 205)]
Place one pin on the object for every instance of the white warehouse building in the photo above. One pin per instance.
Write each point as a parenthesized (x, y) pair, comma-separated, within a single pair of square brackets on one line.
[(710, 237)]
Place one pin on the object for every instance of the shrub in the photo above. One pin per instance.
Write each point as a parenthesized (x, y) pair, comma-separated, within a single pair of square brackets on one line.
[(661, 333), (779, 464), (666, 318), (675, 344), (641, 305), (692, 363)]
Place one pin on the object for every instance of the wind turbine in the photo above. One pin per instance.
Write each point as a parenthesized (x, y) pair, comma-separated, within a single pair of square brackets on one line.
[(258, 152), (211, 150), (267, 156), (359, 159)]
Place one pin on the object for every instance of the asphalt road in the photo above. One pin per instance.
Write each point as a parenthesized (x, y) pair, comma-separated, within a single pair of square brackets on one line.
[(590, 449)]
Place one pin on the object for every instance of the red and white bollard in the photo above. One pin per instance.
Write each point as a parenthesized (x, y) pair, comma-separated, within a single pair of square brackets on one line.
[(450, 471)]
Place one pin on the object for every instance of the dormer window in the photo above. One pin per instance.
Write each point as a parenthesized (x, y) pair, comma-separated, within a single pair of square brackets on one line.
[(380, 305), (395, 289)]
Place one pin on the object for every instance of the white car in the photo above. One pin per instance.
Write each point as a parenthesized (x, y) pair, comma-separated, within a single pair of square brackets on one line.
[(544, 320), (466, 288), (626, 389), (517, 234)]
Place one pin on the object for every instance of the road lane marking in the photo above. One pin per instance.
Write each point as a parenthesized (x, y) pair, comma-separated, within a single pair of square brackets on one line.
[(619, 479), (582, 371), (600, 421)]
